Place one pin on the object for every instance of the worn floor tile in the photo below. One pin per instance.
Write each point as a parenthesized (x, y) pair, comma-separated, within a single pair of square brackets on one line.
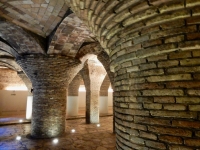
[(86, 137)]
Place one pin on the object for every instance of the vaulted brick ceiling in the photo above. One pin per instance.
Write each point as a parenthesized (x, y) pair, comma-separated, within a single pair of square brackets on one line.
[(69, 36), (39, 16), (6, 58), (40, 26)]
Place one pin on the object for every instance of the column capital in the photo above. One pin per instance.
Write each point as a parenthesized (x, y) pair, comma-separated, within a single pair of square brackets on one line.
[(50, 76), (46, 70)]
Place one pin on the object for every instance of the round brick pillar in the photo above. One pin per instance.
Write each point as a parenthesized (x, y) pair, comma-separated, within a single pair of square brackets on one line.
[(49, 76), (93, 76), (92, 106), (153, 48), (49, 110)]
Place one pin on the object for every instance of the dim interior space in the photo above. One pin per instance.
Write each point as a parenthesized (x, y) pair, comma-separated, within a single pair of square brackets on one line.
[(100, 74), (16, 114), (15, 102)]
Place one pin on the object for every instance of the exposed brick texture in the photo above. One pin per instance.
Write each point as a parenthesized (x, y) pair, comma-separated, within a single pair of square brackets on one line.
[(9, 62), (40, 17), (69, 36), (9, 78), (104, 86), (154, 51), (26, 81), (21, 42), (74, 86), (6, 50), (93, 77), (105, 60), (49, 91), (150, 50)]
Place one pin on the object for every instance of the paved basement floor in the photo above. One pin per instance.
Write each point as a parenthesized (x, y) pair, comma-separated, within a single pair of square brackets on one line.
[(85, 137)]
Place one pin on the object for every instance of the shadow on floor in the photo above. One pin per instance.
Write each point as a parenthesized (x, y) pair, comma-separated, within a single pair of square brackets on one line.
[(85, 137)]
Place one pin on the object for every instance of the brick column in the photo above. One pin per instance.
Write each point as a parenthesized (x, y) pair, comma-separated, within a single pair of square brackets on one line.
[(49, 76), (105, 60), (154, 51), (93, 77), (29, 102), (72, 101), (26, 81)]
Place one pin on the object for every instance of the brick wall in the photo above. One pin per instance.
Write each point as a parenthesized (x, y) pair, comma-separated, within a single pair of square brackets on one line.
[(154, 50), (105, 60), (26, 81), (9, 78), (104, 86), (160, 103), (73, 87)]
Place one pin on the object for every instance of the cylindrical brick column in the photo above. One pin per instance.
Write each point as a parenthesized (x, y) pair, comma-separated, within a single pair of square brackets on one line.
[(104, 58), (93, 76), (154, 51), (92, 106), (49, 76), (49, 110)]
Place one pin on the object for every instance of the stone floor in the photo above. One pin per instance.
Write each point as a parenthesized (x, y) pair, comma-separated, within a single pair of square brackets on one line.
[(85, 137)]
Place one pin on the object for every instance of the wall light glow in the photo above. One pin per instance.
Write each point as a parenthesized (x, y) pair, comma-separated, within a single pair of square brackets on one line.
[(73, 130), (16, 88), (55, 141), (98, 125), (18, 138), (110, 90), (20, 120), (81, 88)]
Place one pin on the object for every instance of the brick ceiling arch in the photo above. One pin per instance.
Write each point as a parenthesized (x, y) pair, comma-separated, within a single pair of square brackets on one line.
[(9, 62), (7, 57), (136, 29), (6, 50), (102, 56), (89, 48), (4, 53), (5, 65), (21, 41), (69, 36), (39, 16)]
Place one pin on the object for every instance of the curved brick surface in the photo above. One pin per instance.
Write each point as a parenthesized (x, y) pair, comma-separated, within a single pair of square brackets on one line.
[(154, 50), (19, 39), (26, 81), (10, 63), (69, 36), (74, 86), (93, 77), (9, 78), (49, 94), (40, 17), (6, 50), (104, 86)]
